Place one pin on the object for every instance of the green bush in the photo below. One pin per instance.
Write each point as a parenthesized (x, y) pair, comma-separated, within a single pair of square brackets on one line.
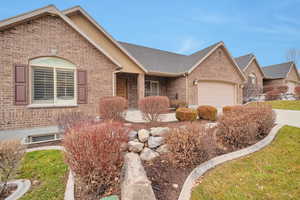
[(207, 112), (186, 114)]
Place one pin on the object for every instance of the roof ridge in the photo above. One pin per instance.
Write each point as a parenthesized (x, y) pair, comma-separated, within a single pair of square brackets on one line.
[(152, 48), (215, 44)]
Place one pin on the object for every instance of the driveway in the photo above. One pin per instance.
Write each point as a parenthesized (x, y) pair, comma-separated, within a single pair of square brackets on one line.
[(288, 117)]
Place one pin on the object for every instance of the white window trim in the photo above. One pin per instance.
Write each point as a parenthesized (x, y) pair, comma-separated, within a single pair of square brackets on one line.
[(158, 86), (56, 102)]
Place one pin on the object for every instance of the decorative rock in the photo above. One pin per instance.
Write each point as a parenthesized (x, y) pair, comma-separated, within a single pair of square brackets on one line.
[(154, 142), (211, 125), (143, 135), (159, 131), (134, 184), (132, 135), (162, 149), (175, 186), (148, 154), (135, 146)]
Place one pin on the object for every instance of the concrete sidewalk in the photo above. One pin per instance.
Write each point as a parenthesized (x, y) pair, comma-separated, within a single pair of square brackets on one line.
[(288, 117)]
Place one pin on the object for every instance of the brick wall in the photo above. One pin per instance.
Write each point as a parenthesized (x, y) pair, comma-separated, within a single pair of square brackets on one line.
[(37, 38), (217, 67)]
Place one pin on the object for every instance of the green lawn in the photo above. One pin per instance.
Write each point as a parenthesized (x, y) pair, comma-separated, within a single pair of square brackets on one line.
[(49, 169), (272, 173), (287, 105)]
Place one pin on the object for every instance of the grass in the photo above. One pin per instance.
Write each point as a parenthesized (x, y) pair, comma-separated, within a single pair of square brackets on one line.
[(48, 168), (286, 105), (272, 173)]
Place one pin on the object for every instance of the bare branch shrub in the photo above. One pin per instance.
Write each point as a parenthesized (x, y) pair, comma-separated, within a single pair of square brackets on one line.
[(94, 152), (68, 119), (243, 127), (273, 95), (113, 108), (190, 146), (11, 154), (153, 106)]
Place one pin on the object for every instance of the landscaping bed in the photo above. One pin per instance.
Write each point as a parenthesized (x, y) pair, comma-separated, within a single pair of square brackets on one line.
[(47, 172), (272, 173)]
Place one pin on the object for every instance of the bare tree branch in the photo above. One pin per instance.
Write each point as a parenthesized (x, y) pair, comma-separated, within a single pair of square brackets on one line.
[(293, 55)]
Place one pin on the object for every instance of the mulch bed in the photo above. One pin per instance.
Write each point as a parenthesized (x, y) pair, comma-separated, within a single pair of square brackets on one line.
[(80, 194)]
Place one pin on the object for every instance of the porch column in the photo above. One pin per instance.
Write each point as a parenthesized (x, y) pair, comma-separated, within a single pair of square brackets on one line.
[(114, 83), (141, 86)]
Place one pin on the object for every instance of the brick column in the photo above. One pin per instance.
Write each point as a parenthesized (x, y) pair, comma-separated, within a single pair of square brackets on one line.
[(141, 86)]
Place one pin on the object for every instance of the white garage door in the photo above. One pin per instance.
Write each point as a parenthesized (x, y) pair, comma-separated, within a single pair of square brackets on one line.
[(291, 86), (216, 93)]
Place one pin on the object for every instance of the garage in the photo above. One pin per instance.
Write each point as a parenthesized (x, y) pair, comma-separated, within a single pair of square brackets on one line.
[(217, 94), (291, 86)]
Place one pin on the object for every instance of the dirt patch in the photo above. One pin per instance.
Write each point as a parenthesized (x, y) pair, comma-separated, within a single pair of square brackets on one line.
[(80, 194), (137, 126)]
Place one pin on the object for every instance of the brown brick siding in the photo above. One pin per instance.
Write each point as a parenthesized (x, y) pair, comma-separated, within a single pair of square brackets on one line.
[(37, 38), (254, 68), (176, 87), (217, 67)]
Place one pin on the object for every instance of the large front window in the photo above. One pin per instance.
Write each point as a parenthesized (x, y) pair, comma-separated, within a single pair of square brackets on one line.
[(151, 88), (52, 81)]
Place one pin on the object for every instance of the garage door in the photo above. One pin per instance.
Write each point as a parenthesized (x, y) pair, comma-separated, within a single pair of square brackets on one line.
[(291, 86), (216, 93)]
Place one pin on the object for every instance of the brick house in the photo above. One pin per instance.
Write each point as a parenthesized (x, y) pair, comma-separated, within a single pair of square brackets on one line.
[(282, 74), (53, 62), (254, 74)]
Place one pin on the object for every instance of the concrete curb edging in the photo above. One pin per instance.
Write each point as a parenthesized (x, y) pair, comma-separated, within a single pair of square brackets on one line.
[(70, 187), (187, 187), (23, 185)]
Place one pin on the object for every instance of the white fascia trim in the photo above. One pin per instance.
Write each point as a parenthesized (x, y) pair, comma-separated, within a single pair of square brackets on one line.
[(53, 10), (250, 61), (166, 74), (95, 23)]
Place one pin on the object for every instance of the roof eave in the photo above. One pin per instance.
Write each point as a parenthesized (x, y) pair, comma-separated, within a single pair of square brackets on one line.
[(165, 74), (99, 27)]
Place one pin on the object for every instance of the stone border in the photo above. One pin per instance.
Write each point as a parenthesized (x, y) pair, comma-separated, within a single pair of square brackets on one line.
[(187, 187), (70, 187), (23, 185)]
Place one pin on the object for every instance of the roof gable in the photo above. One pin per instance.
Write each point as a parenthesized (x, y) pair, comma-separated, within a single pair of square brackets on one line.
[(244, 61), (78, 9), (52, 10)]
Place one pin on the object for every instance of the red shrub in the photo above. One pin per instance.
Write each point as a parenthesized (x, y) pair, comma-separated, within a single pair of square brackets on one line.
[(297, 91), (207, 112), (282, 88), (239, 129), (94, 153), (68, 119), (268, 88), (273, 95), (113, 107), (152, 107)]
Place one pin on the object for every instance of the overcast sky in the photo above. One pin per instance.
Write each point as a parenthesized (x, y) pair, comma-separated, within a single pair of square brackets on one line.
[(267, 28)]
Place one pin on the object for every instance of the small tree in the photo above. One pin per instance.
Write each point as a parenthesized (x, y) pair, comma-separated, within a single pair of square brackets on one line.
[(152, 107), (11, 153)]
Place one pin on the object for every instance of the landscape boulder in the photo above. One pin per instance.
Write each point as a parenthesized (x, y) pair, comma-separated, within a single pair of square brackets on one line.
[(135, 146), (159, 131), (143, 135), (154, 142), (148, 154)]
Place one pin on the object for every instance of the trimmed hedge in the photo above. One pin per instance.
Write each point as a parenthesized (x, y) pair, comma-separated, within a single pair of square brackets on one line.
[(207, 112), (186, 114)]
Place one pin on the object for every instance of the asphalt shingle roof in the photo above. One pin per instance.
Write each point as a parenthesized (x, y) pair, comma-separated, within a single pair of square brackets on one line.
[(243, 61), (277, 71), (155, 60)]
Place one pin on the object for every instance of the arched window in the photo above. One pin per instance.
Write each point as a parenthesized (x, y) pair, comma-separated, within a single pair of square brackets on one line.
[(53, 81), (252, 78)]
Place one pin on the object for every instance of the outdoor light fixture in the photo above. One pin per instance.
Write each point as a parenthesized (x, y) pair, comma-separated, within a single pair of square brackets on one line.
[(195, 82)]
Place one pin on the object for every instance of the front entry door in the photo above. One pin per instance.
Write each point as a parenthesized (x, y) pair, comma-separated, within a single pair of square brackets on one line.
[(122, 88)]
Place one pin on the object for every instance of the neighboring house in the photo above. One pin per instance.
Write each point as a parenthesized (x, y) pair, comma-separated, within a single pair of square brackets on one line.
[(254, 74), (282, 74), (54, 62)]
